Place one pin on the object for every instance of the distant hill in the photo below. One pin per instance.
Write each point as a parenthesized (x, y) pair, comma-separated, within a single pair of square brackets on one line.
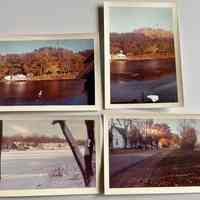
[(143, 41), (155, 33)]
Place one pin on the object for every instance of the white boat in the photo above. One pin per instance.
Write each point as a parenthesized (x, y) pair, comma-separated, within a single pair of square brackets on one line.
[(17, 77), (119, 56)]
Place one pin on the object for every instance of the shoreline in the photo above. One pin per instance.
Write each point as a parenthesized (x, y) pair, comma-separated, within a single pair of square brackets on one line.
[(37, 80), (143, 58)]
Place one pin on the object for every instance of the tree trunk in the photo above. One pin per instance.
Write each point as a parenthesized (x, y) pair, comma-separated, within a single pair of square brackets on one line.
[(75, 149)]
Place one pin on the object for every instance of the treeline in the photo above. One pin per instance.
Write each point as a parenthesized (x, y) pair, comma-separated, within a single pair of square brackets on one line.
[(36, 139), (154, 135), (46, 61), (145, 134), (143, 41)]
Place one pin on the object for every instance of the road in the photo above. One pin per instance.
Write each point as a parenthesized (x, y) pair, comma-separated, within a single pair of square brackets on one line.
[(120, 162), (138, 170)]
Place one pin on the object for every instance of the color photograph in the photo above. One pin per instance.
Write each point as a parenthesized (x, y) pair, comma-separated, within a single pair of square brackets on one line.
[(143, 59), (60, 156), (152, 153), (48, 71)]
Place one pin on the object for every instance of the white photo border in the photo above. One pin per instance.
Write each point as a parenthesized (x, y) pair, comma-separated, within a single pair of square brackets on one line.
[(60, 191), (150, 4), (97, 73), (141, 190)]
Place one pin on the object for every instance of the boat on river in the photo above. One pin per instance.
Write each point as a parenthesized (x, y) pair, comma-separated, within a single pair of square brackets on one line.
[(119, 56)]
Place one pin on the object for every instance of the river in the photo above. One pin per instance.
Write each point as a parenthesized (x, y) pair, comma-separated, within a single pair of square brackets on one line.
[(44, 92), (132, 81), (35, 169)]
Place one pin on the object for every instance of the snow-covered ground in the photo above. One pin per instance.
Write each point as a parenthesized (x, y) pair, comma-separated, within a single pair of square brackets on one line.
[(37, 169)]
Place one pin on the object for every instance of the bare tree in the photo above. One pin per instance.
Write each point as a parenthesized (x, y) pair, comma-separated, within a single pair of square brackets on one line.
[(122, 126), (140, 133), (134, 137)]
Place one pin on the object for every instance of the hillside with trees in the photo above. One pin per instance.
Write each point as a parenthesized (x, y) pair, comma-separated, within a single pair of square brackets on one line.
[(47, 63), (146, 42)]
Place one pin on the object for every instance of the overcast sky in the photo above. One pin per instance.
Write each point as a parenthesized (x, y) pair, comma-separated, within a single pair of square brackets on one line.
[(128, 19), (175, 125), (43, 127), (8, 47)]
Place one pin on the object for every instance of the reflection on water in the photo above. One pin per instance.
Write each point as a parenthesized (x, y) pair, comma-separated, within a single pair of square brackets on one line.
[(44, 92), (119, 66), (133, 81)]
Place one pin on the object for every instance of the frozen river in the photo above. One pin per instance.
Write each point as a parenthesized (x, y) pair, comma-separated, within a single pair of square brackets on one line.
[(37, 169)]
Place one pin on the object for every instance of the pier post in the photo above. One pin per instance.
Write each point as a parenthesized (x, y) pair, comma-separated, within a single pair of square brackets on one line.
[(89, 148), (1, 138)]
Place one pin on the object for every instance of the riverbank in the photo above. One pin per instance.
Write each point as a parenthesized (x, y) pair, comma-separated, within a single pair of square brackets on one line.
[(44, 78), (143, 57)]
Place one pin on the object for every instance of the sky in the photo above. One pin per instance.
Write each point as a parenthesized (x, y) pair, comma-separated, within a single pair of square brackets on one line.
[(128, 19), (43, 127), (174, 124), (10, 47)]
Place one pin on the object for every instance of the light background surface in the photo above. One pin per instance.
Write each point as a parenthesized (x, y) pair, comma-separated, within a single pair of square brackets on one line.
[(59, 16)]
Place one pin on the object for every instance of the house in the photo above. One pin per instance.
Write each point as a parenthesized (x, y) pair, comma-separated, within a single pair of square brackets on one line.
[(117, 139)]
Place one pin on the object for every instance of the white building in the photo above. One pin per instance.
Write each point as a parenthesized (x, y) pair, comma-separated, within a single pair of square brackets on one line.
[(117, 139)]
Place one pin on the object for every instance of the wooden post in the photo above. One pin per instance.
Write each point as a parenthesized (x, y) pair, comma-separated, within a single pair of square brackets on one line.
[(75, 149), (1, 136), (90, 146)]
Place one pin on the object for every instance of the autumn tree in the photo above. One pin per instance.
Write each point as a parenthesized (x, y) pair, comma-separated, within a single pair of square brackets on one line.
[(188, 133), (46, 61), (189, 139), (143, 41)]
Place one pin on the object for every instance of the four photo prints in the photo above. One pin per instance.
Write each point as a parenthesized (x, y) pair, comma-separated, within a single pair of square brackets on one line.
[(142, 58), (144, 153)]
